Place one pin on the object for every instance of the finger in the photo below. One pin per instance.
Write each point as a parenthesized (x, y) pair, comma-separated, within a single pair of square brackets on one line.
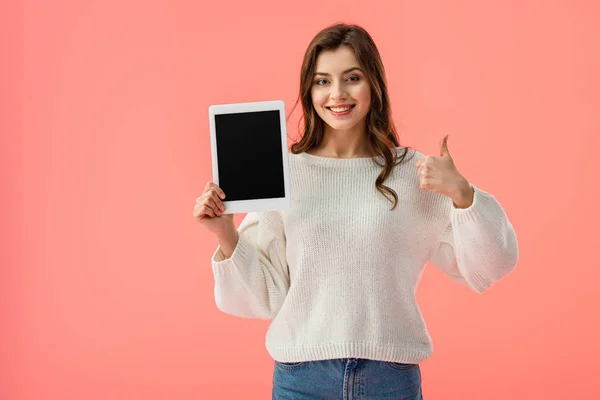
[(214, 186), (214, 196), (444, 151), (213, 203), (207, 211), (216, 201), (200, 212)]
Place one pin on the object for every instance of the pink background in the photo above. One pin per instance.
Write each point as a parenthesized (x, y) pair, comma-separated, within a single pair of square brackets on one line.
[(106, 289)]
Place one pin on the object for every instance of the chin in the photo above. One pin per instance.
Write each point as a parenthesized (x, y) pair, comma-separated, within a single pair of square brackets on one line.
[(341, 125)]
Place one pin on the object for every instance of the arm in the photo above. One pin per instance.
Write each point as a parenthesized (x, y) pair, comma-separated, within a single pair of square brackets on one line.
[(254, 280), (479, 246)]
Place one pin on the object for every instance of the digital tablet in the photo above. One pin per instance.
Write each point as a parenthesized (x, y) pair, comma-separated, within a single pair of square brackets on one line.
[(249, 155)]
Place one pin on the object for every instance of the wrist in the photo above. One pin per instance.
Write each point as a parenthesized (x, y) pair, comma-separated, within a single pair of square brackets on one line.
[(227, 235), (464, 195), (228, 241)]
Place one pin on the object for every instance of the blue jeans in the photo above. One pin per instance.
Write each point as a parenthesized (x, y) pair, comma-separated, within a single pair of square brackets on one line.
[(346, 379)]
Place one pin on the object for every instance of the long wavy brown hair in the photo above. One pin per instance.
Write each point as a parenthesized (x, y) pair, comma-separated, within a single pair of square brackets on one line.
[(380, 128)]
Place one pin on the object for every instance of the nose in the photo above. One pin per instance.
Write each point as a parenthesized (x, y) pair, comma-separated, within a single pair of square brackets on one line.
[(338, 92)]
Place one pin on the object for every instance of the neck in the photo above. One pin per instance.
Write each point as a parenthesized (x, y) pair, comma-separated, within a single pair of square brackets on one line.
[(350, 143)]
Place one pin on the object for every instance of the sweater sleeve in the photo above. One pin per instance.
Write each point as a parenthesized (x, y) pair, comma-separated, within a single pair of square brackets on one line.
[(479, 245), (254, 281)]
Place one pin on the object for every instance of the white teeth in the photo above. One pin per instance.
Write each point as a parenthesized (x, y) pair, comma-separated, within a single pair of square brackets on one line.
[(340, 109)]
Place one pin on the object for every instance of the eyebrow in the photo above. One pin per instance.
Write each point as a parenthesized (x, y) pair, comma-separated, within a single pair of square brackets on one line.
[(345, 72)]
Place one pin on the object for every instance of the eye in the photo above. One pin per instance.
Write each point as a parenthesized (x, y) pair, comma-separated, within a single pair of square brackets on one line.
[(353, 78), (320, 81)]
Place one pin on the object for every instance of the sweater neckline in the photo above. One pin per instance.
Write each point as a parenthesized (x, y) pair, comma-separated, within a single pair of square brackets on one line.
[(341, 162)]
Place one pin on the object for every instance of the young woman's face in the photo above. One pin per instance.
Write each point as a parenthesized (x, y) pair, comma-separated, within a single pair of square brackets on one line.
[(340, 92)]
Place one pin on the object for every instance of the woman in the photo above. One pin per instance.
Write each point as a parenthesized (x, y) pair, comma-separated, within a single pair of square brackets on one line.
[(339, 270)]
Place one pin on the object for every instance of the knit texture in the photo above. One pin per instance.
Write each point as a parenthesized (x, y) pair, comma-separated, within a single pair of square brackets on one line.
[(338, 271)]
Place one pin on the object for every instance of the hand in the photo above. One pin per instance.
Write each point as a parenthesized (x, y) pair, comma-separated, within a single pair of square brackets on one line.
[(209, 210), (440, 175)]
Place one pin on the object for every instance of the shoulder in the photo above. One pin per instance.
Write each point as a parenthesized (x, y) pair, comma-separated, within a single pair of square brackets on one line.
[(406, 157), (409, 153)]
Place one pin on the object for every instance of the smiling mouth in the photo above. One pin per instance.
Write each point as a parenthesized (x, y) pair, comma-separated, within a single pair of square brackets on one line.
[(340, 109)]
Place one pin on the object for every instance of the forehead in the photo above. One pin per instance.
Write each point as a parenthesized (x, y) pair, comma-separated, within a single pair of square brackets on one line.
[(336, 61)]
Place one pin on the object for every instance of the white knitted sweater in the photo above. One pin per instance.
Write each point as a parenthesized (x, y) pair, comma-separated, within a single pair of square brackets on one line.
[(338, 271)]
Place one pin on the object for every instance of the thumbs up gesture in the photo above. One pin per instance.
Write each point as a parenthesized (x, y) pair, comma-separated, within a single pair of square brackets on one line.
[(440, 175)]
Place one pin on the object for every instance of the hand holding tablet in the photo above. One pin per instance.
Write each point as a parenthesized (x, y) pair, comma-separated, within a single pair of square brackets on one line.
[(209, 210)]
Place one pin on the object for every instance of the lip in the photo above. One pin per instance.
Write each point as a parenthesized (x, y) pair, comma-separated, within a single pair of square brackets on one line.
[(340, 105), (342, 114)]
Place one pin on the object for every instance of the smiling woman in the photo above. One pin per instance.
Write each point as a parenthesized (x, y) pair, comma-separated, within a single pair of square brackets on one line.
[(338, 271), (345, 101)]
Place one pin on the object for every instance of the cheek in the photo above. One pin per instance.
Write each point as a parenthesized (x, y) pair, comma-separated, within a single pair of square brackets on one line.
[(318, 98), (363, 94)]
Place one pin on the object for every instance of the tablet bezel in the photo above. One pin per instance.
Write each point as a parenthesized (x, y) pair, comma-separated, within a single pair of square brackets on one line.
[(258, 205)]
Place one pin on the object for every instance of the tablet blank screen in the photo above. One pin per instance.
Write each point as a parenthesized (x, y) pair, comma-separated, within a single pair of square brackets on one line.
[(249, 155)]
